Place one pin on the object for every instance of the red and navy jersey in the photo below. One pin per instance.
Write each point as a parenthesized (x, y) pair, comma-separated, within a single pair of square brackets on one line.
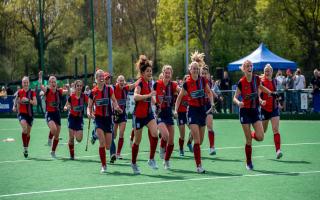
[(271, 102), (77, 104), (165, 93), (143, 108), (183, 107), (121, 95), (249, 91), (102, 100), (207, 100), (26, 107), (53, 99), (196, 91)]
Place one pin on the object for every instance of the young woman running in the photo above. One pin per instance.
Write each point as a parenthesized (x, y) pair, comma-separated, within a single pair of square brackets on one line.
[(248, 88), (53, 96), (101, 97), (270, 111), (182, 120), (26, 98), (120, 120), (165, 91), (143, 114), (75, 105), (209, 119), (196, 87)]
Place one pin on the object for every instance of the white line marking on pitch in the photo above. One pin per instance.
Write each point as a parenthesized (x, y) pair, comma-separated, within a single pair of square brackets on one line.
[(221, 148), (154, 182)]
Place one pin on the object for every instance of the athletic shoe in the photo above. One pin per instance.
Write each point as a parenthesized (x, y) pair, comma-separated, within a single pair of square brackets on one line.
[(279, 154), (25, 153), (119, 157), (53, 154), (190, 147), (166, 165), (181, 152), (200, 170), (249, 166), (113, 158), (212, 151), (135, 168), (152, 163), (161, 152), (49, 142), (103, 169)]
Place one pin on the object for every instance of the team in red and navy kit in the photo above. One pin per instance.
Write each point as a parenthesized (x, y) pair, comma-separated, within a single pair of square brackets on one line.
[(53, 96), (76, 105), (165, 92), (182, 120), (270, 111), (100, 98), (193, 106), (209, 119), (196, 87), (249, 87), (25, 99), (120, 120), (143, 114)]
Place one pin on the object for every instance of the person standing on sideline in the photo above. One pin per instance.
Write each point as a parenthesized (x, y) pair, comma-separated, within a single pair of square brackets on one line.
[(226, 84)]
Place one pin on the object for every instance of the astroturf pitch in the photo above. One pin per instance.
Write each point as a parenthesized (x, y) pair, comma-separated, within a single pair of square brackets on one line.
[(295, 176)]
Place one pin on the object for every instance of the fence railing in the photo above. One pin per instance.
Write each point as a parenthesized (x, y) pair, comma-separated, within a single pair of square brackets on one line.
[(292, 101)]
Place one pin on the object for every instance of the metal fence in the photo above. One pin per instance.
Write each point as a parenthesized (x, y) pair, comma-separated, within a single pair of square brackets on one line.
[(292, 101)]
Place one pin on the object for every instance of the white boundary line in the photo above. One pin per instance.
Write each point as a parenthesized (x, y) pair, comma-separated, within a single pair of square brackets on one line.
[(154, 182), (219, 148)]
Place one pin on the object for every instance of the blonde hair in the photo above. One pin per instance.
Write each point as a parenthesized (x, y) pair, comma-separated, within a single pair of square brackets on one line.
[(99, 71), (25, 78), (160, 76), (52, 77), (268, 66), (245, 63), (192, 64), (165, 67), (120, 76), (78, 81), (199, 58)]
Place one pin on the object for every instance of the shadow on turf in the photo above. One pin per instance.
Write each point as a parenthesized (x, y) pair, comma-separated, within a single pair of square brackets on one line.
[(276, 172), (40, 159), (210, 173), (291, 161)]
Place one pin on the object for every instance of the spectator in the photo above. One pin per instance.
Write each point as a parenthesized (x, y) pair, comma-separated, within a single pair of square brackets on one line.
[(227, 96), (315, 81), (289, 85), (3, 92), (9, 91), (280, 80), (280, 86), (87, 90), (219, 100), (299, 84), (39, 100), (299, 80)]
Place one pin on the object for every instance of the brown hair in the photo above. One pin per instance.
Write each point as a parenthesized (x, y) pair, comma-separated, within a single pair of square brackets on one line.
[(142, 64)]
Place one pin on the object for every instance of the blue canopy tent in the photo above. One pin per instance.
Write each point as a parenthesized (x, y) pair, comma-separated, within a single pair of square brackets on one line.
[(262, 56)]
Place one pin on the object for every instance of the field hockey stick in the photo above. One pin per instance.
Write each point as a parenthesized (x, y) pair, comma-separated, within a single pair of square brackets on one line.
[(212, 109), (87, 142)]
